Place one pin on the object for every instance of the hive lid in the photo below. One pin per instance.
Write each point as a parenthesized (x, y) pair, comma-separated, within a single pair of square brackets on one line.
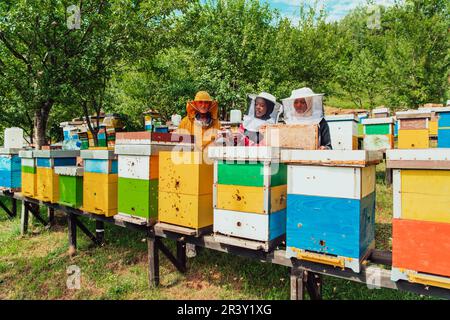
[(335, 158), (380, 110), (133, 138), (261, 153), (56, 153), (69, 171), (342, 117), (26, 154), (11, 151), (146, 150), (413, 114), (441, 109), (436, 158), (98, 154), (388, 120)]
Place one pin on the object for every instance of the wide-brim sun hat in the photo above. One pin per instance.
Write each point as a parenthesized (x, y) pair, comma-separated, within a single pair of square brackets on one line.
[(202, 96), (303, 93), (264, 95)]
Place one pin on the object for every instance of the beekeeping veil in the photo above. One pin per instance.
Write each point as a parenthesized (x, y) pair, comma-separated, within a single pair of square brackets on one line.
[(303, 107), (251, 122)]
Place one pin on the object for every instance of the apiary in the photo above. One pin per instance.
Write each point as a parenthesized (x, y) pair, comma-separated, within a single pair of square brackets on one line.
[(331, 205)]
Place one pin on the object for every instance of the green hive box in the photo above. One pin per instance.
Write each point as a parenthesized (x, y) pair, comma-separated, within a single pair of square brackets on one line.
[(250, 174), (138, 197), (70, 186)]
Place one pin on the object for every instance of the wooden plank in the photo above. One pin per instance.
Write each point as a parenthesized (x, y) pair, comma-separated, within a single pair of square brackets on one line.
[(431, 154), (421, 246), (331, 157), (413, 124), (292, 136), (400, 115), (336, 182), (167, 227), (425, 195)]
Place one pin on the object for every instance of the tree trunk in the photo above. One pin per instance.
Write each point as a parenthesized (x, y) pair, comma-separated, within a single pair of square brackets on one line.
[(40, 124)]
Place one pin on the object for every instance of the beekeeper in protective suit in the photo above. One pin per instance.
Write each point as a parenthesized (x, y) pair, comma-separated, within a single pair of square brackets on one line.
[(263, 110), (306, 107), (201, 119)]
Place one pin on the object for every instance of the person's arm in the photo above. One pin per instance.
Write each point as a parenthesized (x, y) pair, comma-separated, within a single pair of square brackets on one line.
[(325, 138)]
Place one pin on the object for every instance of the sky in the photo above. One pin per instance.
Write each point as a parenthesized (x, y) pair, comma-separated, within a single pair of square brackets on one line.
[(336, 9)]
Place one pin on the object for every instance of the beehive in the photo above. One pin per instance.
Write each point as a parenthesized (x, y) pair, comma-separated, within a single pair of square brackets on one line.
[(47, 182), (70, 186), (249, 195), (138, 175), (100, 182), (361, 117), (421, 224), (443, 130), (10, 169), (343, 131), (413, 129), (185, 189), (28, 173), (378, 134), (380, 112), (331, 205)]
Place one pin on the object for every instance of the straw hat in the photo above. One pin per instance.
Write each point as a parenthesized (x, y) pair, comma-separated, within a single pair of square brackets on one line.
[(203, 96)]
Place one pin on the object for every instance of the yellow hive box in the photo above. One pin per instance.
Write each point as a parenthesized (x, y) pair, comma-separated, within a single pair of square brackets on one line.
[(192, 211), (29, 184), (47, 185), (185, 189), (185, 173), (433, 127), (100, 193), (425, 189), (413, 139), (250, 199)]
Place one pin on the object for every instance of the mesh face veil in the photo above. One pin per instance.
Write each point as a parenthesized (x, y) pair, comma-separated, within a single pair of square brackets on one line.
[(251, 122), (303, 107)]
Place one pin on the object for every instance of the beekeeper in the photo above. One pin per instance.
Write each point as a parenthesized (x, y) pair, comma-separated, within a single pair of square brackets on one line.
[(306, 107), (263, 110), (201, 119)]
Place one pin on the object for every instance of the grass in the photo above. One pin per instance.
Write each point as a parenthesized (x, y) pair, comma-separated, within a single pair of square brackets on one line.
[(34, 266)]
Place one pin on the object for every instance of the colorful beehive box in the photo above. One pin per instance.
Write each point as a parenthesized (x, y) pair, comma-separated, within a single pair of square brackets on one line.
[(433, 123), (443, 130), (10, 169), (421, 224), (361, 116), (100, 182), (29, 180), (138, 176), (331, 205), (70, 186), (378, 133), (381, 112), (249, 196), (185, 189), (413, 129), (343, 131), (47, 181)]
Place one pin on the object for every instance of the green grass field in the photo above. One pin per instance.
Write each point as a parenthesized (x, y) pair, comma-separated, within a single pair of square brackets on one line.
[(34, 267)]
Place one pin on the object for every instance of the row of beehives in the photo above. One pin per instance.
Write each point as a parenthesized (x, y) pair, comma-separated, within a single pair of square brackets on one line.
[(321, 202), (413, 128)]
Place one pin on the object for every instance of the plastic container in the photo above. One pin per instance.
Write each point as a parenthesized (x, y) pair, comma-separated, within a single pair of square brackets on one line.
[(14, 138)]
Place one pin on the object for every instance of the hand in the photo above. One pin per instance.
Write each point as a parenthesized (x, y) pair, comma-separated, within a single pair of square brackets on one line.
[(323, 148)]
